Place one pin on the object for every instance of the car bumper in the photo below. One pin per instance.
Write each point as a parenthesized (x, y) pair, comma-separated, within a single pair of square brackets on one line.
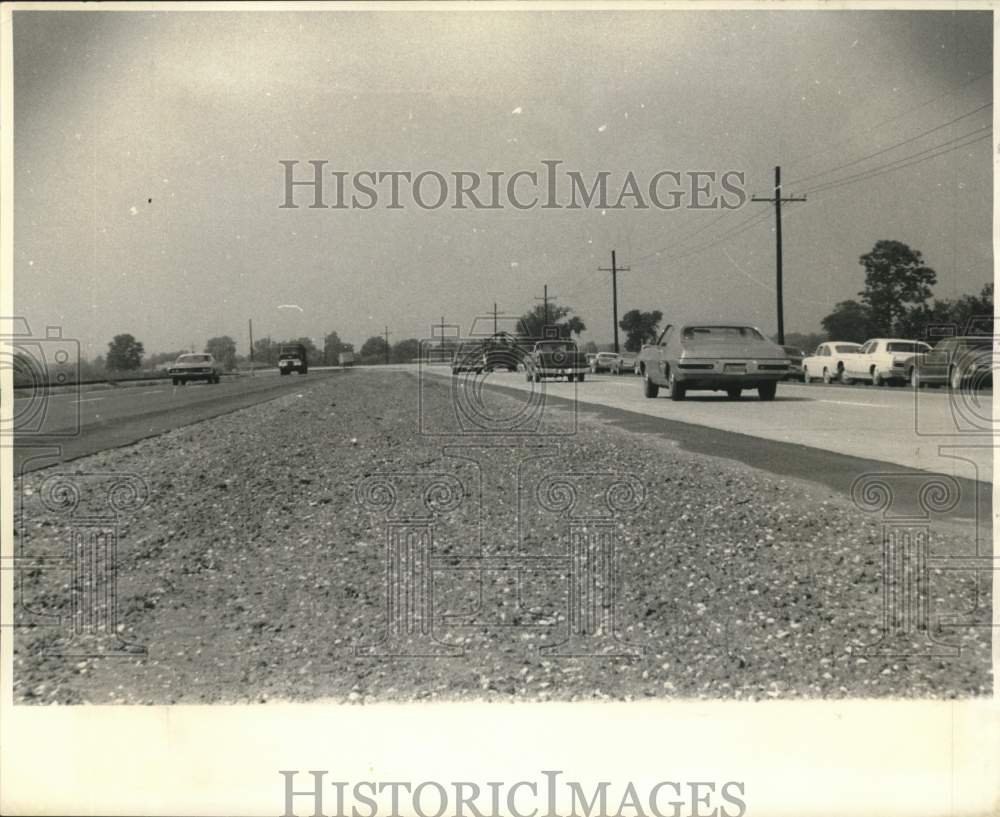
[(730, 373), (559, 371)]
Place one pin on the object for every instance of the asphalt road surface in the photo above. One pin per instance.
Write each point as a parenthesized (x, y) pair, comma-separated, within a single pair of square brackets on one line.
[(934, 430), (61, 427)]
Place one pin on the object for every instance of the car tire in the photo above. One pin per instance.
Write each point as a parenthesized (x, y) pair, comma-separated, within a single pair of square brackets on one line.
[(827, 380), (877, 379), (806, 379), (649, 388), (538, 377), (173, 380), (678, 391), (734, 394), (915, 378), (580, 377), (766, 391), (955, 378), (527, 376), (842, 376)]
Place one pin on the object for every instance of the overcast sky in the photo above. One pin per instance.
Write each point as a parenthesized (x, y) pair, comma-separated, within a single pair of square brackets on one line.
[(148, 183)]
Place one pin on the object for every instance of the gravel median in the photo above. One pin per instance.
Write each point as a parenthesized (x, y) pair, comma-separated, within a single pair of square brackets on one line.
[(252, 572)]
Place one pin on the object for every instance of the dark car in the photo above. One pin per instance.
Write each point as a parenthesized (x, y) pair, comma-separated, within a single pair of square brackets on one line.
[(292, 358), (955, 362), (795, 358), (502, 351), (556, 358)]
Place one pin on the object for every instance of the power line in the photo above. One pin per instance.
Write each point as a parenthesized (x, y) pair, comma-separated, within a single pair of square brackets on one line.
[(891, 147), (895, 165), (891, 119)]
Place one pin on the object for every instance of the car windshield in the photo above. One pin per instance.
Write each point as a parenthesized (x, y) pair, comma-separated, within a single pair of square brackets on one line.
[(193, 359), (906, 347), (721, 333), (846, 348)]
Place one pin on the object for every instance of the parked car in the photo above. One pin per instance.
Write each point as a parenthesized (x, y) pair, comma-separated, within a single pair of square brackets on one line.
[(194, 366), (626, 363), (556, 358), (725, 357), (591, 356), (827, 362), (795, 357), (879, 361), (292, 358), (603, 362), (955, 362)]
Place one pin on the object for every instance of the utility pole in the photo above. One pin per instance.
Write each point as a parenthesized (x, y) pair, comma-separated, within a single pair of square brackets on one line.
[(494, 317), (614, 270), (251, 347), (387, 345), (545, 300), (777, 232)]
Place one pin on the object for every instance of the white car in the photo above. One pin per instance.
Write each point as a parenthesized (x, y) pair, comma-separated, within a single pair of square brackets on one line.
[(881, 361), (826, 362)]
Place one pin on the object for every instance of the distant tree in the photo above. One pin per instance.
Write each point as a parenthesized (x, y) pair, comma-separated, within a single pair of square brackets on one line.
[(332, 347), (850, 321), (265, 351), (223, 349), (154, 360), (806, 341), (896, 281), (405, 350), (640, 327), (590, 347), (124, 353), (968, 315), (373, 349), (532, 324)]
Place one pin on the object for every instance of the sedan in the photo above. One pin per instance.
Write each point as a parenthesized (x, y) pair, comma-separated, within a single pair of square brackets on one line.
[(955, 362), (725, 357), (194, 366)]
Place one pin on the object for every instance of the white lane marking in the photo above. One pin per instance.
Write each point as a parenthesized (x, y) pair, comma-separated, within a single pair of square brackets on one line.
[(852, 403), (90, 400), (154, 391)]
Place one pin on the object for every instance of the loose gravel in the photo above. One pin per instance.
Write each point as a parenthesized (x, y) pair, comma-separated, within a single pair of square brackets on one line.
[(253, 573)]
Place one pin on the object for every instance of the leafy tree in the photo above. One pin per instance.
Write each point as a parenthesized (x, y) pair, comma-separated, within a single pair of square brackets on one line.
[(265, 351), (373, 350), (590, 347), (850, 321), (405, 350), (532, 324), (154, 360), (223, 349), (640, 327), (968, 315), (896, 281), (124, 353)]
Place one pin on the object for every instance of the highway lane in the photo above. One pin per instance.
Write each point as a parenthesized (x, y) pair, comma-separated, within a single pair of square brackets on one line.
[(62, 427), (934, 430)]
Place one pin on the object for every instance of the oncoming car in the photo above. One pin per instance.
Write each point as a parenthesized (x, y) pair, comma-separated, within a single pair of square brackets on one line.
[(725, 357), (604, 362), (194, 366)]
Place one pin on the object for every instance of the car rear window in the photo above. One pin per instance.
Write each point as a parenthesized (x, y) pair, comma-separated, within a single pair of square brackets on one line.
[(194, 358), (907, 347), (720, 332), (846, 348), (555, 346)]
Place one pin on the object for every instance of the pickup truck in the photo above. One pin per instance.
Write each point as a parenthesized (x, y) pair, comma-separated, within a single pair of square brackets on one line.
[(556, 358), (292, 358), (881, 361)]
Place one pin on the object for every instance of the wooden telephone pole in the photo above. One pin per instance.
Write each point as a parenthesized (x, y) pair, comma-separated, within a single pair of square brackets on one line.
[(614, 269), (777, 199)]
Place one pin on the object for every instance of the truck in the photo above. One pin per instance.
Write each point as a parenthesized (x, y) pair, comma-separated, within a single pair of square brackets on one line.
[(292, 358), (346, 358), (556, 358)]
